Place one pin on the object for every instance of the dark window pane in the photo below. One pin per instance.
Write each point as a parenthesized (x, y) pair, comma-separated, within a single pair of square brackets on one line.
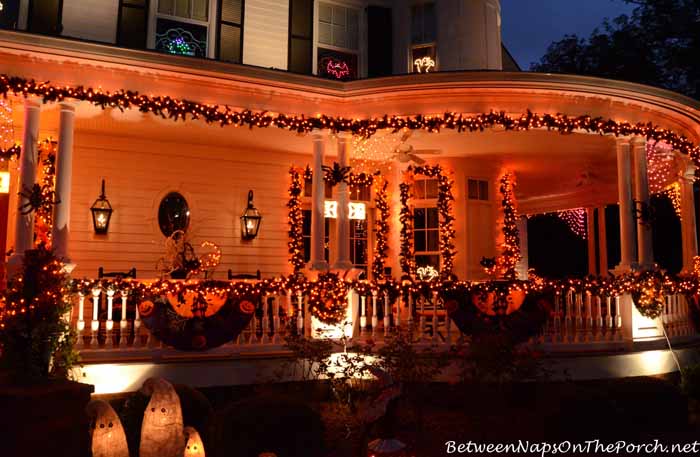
[(419, 189), (302, 14), (473, 189), (419, 218), (432, 217), (230, 43), (428, 22), (483, 190), (360, 252), (337, 65), (300, 55), (134, 2), (181, 38), (132, 28), (307, 249), (425, 260), (306, 223), (9, 14), (432, 242), (43, 17), (419, 240), (308, 188), (328, 190), (173, 214), (431, 188), (231, 11)]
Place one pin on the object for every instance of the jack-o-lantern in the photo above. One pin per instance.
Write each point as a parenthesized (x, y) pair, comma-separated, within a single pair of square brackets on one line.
[(189, 304), (161, 430), (490, 304), (194, 446), (246, 307), (108, 438), (146, 308)]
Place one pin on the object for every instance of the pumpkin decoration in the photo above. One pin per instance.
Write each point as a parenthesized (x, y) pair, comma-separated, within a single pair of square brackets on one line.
[(161, 431), (194, 446), (107, 433), (246, 307), (146, 308), (495, 303)]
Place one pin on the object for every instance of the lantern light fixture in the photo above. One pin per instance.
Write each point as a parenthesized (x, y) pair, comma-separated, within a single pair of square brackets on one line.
[(250, 220), (101, 213)]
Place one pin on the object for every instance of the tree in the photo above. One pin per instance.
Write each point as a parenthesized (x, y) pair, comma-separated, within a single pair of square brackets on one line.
[(658, 44)]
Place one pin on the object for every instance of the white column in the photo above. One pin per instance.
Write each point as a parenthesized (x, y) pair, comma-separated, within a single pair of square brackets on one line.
[(522, 265), (602, 243), (688, 230), (318, 226), (24, 224), (590, 238), (624, 188), (64, 164), (645, 250), (343, 221)]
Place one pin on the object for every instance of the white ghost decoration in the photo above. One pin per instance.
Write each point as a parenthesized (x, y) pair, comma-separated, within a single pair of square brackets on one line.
[(108, 438), (194, 446), (161, 431)]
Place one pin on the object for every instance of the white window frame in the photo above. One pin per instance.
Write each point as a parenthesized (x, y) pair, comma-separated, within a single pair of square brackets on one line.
[(211, 25), (412, 45), (361, 35), (426, 203), (488, 186)]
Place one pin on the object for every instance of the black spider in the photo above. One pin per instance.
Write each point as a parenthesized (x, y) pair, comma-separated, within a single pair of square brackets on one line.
[(37, 197)]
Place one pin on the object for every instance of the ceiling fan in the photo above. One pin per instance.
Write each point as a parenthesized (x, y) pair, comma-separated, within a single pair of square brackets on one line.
[(406, 153)]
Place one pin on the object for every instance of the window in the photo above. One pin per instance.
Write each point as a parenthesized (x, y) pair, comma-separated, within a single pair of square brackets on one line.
[(361, 193), (423, 36), (426, 235), (358, 243), (173, 214), (338, 40), (132, 23), (230, 44), (308, 189), (182, 27), (45, 17), (306, 235), (425, 189), (477, 189), (301, 13), (9, 14)]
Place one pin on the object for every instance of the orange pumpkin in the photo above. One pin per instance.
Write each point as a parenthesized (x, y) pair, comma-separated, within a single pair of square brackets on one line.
[(246, 307), (146, 308), (487, 301)]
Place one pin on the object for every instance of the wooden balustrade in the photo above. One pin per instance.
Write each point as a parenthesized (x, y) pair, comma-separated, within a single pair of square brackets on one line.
[(576, 321)]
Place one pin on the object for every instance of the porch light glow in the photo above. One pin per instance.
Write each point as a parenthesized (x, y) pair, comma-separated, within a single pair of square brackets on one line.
[(356, 211), (101, 213), (250, 220), (4, 182)]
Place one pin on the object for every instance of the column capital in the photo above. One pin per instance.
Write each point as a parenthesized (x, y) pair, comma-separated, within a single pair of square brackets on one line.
[(68, 107), (623, 139), (319, 134), (638, 140), (32, 102)]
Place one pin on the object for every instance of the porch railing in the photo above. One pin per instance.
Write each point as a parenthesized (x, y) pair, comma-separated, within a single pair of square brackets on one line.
[(108, 323)]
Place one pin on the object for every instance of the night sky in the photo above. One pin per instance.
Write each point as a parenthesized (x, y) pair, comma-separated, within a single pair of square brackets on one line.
[(529, 26)]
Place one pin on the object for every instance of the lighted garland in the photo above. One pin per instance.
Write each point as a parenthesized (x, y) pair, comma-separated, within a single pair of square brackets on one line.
[(176, 109), (9, 153), (43, 221), (446, 227), (444, 205), (406, 258), (295, 220), (381, 247), (328, 299), (504, 265)]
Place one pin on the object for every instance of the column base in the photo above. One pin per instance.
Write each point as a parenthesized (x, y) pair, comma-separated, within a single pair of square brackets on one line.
[(14, 264), (621, 269), (342, 265), (318, 266)]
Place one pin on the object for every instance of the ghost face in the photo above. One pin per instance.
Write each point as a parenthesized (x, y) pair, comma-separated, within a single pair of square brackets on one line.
[(194, 446), (108, 438), (161, 430)]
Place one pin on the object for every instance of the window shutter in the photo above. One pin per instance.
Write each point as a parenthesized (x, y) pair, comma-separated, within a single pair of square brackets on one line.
[(300, 35), (379, 41), (230, 44)]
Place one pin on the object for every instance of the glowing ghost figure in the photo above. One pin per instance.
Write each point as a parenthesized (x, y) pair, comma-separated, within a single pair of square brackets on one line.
[(194, 446), (161, 430), (108, 438)]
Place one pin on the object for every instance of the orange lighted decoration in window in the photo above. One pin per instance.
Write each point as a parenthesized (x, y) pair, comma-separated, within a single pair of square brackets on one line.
[(4, 182), (423, 65), (357, 211)]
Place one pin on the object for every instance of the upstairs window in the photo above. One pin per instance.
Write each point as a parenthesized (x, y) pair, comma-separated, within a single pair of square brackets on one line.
[(230, 44), (423, 35), (338, 41), (182, 27), (301, 25), (132, 23)]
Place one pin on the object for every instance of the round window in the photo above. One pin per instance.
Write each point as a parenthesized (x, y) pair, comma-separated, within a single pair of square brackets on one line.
[(173, 214)]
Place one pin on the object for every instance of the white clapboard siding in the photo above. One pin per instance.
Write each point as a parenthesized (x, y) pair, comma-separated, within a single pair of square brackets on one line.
[(94, 20), (215, 181), (265, 33)]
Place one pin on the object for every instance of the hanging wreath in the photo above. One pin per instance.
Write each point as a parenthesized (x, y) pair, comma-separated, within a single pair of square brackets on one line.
[(649, 293), (328, 299)]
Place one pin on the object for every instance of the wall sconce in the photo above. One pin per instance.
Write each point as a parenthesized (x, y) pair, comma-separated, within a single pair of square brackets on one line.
[(250, 221), (101, 212)]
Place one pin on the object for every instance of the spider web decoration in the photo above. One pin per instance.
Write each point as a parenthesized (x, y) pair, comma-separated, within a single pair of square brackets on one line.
[(662, 166), (367, 153), (575, 219)]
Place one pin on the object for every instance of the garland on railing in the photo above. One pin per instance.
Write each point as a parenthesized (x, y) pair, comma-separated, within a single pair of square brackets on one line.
[(381, 201), (176, 109), (296, 221), (446, 224), (406, 259)]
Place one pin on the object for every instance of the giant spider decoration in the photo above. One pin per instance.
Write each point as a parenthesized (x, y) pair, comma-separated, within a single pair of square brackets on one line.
[(37, 197)]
